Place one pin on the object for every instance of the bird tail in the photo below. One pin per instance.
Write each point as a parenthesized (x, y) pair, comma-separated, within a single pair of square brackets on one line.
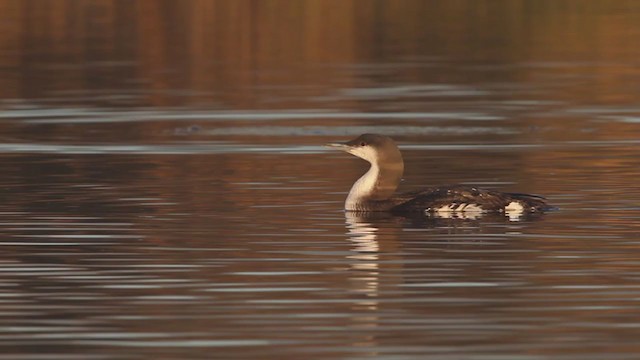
[(535, 202)]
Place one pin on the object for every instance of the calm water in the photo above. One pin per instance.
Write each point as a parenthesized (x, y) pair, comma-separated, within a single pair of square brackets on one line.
[(165, 193)]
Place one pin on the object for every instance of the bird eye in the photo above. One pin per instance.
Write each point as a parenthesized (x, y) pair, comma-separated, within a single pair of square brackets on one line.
[(363, 143)]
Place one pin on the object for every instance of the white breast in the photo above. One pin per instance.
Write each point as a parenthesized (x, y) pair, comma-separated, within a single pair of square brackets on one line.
[(362, 188)]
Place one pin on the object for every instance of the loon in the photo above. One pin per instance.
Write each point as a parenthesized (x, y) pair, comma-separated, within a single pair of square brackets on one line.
[(374, 191)]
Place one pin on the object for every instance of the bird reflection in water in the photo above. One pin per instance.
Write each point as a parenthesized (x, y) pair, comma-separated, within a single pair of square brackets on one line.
[(365, 258), (376, 237), (365, 279)]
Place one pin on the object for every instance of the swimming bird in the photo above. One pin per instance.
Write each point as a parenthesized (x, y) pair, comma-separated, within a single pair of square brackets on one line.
[(375, 190)]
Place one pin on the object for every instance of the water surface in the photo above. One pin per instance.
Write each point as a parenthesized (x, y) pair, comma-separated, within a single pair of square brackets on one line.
[(165, 192)]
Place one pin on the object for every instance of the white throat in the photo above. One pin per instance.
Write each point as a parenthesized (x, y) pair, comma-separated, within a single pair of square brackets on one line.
[(362, 189)]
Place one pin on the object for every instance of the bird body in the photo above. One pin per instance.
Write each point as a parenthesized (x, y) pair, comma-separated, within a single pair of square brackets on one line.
[(375, 190)]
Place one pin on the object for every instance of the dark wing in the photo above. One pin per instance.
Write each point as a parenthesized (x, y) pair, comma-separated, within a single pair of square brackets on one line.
[(460, 195)]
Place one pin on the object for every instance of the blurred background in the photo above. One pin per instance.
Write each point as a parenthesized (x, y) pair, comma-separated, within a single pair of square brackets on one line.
[(164, 191)]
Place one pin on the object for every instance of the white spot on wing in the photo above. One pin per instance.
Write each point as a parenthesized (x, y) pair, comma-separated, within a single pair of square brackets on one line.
[(444, 209), (458, 211), (514, 206), (473, 208), (514, 211)]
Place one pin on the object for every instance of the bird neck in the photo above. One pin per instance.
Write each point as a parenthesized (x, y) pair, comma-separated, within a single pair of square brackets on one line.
[(373, 190)]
